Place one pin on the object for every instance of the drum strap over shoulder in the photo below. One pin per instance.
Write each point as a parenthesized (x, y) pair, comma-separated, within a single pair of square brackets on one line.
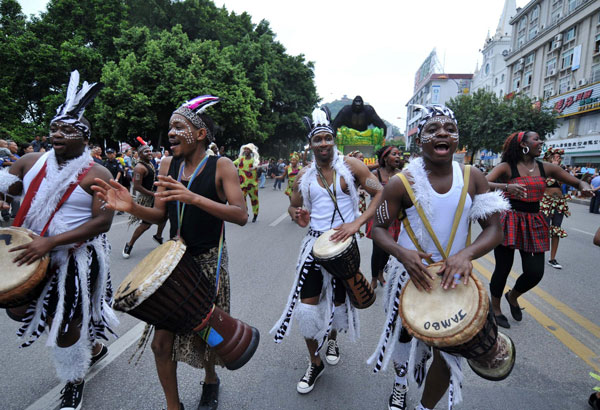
[(459, 210)]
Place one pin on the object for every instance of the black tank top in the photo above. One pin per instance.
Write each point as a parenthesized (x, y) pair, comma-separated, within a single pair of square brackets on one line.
[(149, 178), (200, 230)]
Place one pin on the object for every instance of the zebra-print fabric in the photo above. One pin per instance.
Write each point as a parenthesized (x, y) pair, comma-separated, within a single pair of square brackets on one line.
[(389, 330), (46, 306)]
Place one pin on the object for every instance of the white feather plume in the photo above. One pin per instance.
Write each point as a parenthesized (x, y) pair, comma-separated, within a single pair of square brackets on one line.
[(319, 117)]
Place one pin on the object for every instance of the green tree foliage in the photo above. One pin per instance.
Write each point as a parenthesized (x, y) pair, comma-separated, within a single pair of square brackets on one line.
[(152, 55), (484, 120)]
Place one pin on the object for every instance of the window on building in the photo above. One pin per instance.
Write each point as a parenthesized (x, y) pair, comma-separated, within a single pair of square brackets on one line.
[(556, 15), (557, 4), (532, 32), (573, 4), (529, 59), (522, 24), (596, 73), (566, 60), (535, 14), (570, 34), (597, 44), (516, 83), (496, 82), (502, 79), (548, 91), (550, 65), (501, 93), (527, 79), (564, 85)]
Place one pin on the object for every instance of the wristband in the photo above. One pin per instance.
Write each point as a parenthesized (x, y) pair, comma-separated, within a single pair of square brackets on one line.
[(506, 188)]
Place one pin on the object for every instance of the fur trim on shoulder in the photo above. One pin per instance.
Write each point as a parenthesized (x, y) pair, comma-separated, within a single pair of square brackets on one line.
[(7, 180), (486, 204)]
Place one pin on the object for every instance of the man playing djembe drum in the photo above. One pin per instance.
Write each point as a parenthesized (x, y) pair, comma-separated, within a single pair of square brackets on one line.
[(60, 206), (327, 189), (196, 192), (436, 184)]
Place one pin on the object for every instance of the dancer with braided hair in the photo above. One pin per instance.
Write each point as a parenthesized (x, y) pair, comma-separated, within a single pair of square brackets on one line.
[(523, 179)]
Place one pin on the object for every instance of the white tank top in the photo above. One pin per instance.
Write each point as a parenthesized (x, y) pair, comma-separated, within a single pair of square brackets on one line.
[(443, 208), (323, 209), (76, 211)]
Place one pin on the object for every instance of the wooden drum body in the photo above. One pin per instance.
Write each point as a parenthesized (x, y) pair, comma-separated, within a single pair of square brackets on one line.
[(458, 321), (167, 289), (19, 285), (342, 260)]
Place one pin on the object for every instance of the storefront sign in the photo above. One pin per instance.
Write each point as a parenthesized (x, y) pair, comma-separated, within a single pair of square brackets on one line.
[(576, 102), (576, 145)]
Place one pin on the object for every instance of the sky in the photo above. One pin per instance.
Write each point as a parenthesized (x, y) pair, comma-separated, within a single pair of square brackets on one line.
[(372, 48)]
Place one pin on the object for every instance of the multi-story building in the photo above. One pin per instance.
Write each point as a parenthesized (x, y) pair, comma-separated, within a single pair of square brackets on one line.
[(432, 88), (492, 76), (555, 56)]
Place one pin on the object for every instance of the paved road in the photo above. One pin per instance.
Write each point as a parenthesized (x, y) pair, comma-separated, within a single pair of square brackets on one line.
[(558, 341)]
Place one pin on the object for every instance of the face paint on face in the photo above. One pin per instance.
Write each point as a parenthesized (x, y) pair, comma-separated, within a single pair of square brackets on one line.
[(322, 145), (436, 125), (61, 130)]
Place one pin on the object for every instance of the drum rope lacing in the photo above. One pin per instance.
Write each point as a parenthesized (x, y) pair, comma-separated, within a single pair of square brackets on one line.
[(181, 210)]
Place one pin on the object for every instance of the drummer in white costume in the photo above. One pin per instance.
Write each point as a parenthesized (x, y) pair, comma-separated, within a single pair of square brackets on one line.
[(77, 297), (437, 182), (323, 310)]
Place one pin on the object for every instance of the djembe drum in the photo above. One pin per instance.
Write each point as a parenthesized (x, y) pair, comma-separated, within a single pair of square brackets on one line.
[(342, 260), (167, 289), (458, 321), (19, 285)]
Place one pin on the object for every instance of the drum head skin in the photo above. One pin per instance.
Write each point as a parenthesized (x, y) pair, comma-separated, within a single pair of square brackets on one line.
[(11, 275), (443, 317), (325, 249), (148, 275)]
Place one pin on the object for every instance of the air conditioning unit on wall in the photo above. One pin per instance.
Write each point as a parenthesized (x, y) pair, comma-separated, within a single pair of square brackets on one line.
[(558, 37), (553, 72), (521, 61), (557, 44), (582, 82)]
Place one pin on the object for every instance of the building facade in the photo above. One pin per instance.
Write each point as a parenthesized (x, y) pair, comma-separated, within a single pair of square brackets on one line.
[(492, 76), (555, 56), (434, 89)]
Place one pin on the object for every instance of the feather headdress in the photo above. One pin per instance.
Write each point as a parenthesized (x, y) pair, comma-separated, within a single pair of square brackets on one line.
[(430, 111), (193, 108), (320, 122), (71, 111)]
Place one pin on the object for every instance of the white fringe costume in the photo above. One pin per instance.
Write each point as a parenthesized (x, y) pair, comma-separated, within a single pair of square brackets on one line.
[(97, 315), (483, 205), (315, 322)]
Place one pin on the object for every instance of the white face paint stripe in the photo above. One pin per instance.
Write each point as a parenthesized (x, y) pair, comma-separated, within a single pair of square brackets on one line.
[(382, 212)]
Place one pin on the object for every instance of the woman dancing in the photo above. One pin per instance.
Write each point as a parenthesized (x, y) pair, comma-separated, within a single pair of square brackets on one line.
[(523, 178)]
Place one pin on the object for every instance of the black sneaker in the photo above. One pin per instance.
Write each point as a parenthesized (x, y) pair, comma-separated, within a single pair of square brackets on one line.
[(158, 239), (332, 355), (307, 382), (127, 251), (254, 219), (554, 263), (101, 355), (210, 396), (72, 395), (398, 397)]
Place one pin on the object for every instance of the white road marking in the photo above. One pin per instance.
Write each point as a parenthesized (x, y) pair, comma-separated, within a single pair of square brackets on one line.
[(120, 223), (278, 220), (51, 400), (579, 230)]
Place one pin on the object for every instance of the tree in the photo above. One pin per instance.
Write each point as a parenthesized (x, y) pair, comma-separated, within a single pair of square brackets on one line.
[(484, 120), (157, 73)]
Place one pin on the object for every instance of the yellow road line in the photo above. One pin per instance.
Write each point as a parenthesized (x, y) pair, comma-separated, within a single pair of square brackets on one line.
[(560, 306), (581, 350)]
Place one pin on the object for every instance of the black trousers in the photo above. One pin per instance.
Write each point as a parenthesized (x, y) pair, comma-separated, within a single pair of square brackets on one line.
[(533, 270)]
